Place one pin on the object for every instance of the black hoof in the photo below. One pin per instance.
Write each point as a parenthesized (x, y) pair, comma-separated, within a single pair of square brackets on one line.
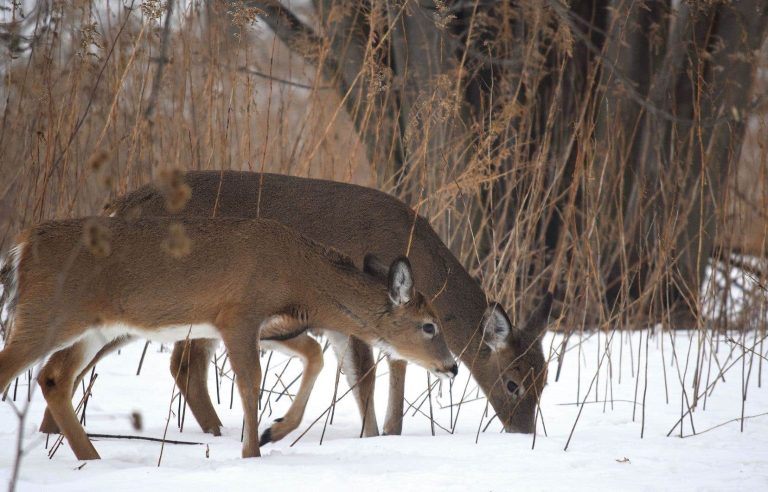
[(266, 437)]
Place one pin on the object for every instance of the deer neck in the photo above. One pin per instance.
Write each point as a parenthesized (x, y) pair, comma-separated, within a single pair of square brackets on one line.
[(465, 308), (457, 297), (352, 305)]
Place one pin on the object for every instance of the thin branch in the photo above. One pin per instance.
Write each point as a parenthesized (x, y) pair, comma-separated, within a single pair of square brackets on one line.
[(291, 83), (737, 419), (144, 438)]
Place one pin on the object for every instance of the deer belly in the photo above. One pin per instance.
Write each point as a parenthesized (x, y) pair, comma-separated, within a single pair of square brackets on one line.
[(162, 334)]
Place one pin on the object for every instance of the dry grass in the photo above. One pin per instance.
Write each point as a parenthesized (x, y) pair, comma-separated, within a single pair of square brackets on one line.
[(103, 104)]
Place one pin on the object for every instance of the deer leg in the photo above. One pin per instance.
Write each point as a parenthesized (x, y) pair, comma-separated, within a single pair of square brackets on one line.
[(16, 357), (393, 423), (26, 344), (57, 379), (190, 369), (242, 344), (311, 355), (48, 424), (356, 358)]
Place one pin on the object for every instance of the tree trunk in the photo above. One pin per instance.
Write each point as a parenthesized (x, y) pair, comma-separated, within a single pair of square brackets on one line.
[(675, 166)]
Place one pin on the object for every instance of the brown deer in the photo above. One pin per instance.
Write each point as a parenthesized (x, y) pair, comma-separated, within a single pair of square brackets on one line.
[(508, 363), (88, 282)]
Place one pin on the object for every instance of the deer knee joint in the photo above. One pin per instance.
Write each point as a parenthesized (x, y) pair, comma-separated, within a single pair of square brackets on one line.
[(49, 384)]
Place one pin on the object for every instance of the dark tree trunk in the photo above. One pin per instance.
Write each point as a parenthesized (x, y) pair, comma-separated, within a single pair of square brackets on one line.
[(677, 150)]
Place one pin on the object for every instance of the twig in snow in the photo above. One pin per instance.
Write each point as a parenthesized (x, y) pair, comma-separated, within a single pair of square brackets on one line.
[(485, 412), (170, 404), (581, 408), (736, 419), (723, 371), (144, 438), (745, 348), (329, 407), (141, 360), (431, 414)]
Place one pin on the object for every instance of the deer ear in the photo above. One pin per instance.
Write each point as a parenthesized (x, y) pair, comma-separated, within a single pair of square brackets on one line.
[(539, 319), (400, 281), (496, 327), (373, 266)]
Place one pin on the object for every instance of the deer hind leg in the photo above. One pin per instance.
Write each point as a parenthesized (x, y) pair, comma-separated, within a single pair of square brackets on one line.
[(27, 343), (242, 344), (356, 358), (57, 380), (189, 366), (24, 348), (393, 423), (311, 354), (16, 357), (51, 376)]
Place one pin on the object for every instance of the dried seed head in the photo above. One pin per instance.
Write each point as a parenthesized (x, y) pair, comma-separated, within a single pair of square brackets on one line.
[(97, 238), (175, 190), (244, 17), (90, 41), (97, 160), (152, 9), (177, 244), (443, 17), (97, 165), (107, 181)]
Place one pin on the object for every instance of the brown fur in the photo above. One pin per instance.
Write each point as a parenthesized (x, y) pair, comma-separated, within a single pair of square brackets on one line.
[(358, 220), (238, 275)]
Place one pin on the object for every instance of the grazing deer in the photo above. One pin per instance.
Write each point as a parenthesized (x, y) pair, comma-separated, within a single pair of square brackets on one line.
[(91, 281), (507, 362)]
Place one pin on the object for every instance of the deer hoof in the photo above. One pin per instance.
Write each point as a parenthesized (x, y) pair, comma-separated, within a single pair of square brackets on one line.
[(266, 437)]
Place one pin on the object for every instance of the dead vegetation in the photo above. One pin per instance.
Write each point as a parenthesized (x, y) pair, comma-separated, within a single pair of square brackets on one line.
[(612, 152)]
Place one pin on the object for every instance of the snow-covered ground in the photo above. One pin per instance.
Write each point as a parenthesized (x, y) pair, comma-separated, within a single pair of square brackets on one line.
[(605, 452)]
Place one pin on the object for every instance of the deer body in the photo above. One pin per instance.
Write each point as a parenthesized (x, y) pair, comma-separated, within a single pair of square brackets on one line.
[(240, 280), (358, 220)]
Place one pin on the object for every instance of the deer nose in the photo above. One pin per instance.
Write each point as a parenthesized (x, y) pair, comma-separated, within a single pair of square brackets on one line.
[(455, 369)]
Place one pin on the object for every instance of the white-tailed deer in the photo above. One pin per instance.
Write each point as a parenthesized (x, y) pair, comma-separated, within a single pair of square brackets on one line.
[(507, 362), (91, 281)]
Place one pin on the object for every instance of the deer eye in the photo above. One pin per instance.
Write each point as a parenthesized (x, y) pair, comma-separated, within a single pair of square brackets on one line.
[(429, 328), (512, 387)]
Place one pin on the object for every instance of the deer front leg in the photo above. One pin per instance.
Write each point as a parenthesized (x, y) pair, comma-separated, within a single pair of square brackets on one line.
[(356, 358), (311, 354), (48, 424), (242, 344), (393, 423), (190, 369)]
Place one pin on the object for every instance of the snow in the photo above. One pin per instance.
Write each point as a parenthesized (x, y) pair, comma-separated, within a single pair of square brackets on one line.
[(605, 452)]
